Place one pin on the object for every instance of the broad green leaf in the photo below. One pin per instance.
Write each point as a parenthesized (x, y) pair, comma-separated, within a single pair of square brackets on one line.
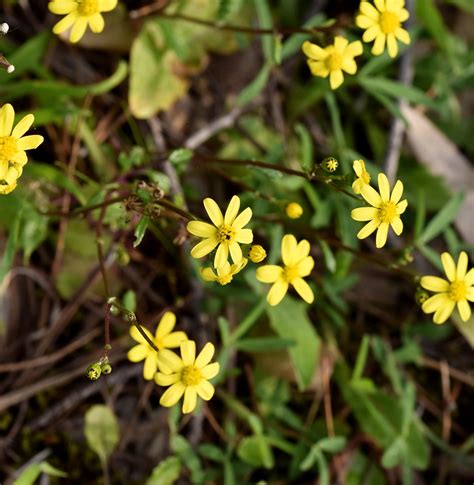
[(441, 220), (290, 321), (394, 454), (166, 472), (263, 344), (140, 230), (101, 429), (180, 156), (332, 445), (130, 300), (212, 452), (255, 451)]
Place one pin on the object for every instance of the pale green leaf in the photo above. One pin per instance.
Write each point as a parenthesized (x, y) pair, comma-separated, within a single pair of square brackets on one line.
[(166, 472), (101, 430)]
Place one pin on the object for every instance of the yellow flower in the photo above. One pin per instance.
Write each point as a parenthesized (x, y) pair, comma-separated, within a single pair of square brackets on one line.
[(363, 177), (79, 14), (334, 59), (257, 253), (13, 145), (297, 265), (226, 233), (164, 338), (187, 375), (458, 290), (225, 273), (330, 164), (385, 211), (383, 23), (294, 210)]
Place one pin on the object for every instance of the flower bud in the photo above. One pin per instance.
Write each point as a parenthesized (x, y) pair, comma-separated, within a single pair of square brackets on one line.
[(421, 296), (106, 368), (257, 253), (294, 210), (329, 164), (94, 371)]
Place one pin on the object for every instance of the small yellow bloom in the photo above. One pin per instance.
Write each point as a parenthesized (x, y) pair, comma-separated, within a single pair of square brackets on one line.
[(79, 14), (383, 23), (457, 291), (13, 145), (257, 253), (164, 338), (297, 265), (385, 211), (226, 233), (224, 273), (363, 177), (294, 210), (332, 60), (187, 375), (330, 164)]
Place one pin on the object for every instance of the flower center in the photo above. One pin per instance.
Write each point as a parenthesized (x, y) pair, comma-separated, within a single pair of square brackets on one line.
[(8, 148), (191, 375), (88, 7), (387, 211), (290, 273), (334, 61), (225, 233), (457, 290), (389, 22), (365, 177), (224, 279)]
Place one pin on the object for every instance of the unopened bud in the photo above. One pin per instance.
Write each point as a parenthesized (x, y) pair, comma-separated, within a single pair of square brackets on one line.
[(329, 164), (257, 253), (94, 371), (294, 210), (106, 368), (421, 296), (4, 28)]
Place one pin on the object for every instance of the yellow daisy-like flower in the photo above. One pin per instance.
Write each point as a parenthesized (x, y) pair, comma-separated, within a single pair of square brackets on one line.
[(226, 233), (385, 211), (457, 291), (164, 338), (297, 265), (383, 23), (187, 375), (13, 145), (334, 59), (363, 177), (225, 273), (80, 14)]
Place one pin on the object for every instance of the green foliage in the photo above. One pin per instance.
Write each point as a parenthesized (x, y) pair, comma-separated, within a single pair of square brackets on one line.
[(32, 472), (166, 472)]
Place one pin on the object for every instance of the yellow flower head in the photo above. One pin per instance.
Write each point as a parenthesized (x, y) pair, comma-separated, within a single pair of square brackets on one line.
[(334, 59), (79, 14), (294, 210), (385, 211), (164, 338), (13, 145), (458, 290), (297, 264), (226, 233), (187, 375), (383, 23), (363, 177), (225, 273), (257, 253), (330, 164)]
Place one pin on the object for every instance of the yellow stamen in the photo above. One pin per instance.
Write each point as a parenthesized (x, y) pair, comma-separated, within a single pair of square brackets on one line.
[(389, 22), (225, 233), (334, 61), (88, 7), (457, 290), (8, 148), (387, 212), (191, 375)]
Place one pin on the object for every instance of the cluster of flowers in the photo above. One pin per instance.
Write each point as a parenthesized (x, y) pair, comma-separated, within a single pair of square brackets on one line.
[(187, 375), (382, 24)]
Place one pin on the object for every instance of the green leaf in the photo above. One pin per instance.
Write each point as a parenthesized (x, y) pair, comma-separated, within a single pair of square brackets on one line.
[(394, 454), (101, 430), (188, 457), (180, 156), (252, 90), (228, 8), (306, 152), (265, 21), (140, 230), (130, 300), (11, 248), (34, 231), (29, 475), (255, 451), (305, 353), (332, 445), (263, 344), (466, 5), (212, 452), (166, 472), (444, 217), (329, 258)]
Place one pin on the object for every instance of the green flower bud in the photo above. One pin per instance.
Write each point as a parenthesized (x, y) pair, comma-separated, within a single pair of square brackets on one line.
[(106, 368), (329, 164), (421, 296), (94, 371)]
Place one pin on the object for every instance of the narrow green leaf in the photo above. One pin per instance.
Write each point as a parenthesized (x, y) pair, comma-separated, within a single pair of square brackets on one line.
[(265, 21), (263, 344), (140, 230), (306, 152), (394, 454), (361, 358), (252, 90), (166, 472), (329, 258), (332, 445), (11, 248), (101, 429)]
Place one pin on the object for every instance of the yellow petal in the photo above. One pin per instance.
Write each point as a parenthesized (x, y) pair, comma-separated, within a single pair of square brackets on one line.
[(172, 395), (381, 237), (213, 212), (166, 379), (232, 210), (96, 23), (242, 219), (23, 126), (449, 266), (269, 273), (464, 310), (379, 45), (397, 225), (392, 46), (340, 43), (359, 167), (137, 353), (169, 362), (469, 278), (29, 142), (65, 23), (137, 336), (20, 159), (208, 274), (205, 356), (305, 266), (244, 236), (444, 312), (368, 9), (288, 249), (78, 29), (190, 400), (318, 68), (401, 206), (349, 65), (435, 302), (235, 252), (403, 36), (224, 269), (397, 192), (166, 325), (354, 49), (368, 229), (313, 51), (150, 366), (205, 390), (371, 33), (221, 256), (371, 196), (380, 4), (303, 289), (357, 186), (174, 339), (277, 292), (211, 370), (403, 15), (62, 7), (363, 214), (434, 283), (336, 78), (302, 250), (204, 247), (188, 352), (7, 116), (384, 187), (201, 229), (365, 22), (470, 294), (461, 268)]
